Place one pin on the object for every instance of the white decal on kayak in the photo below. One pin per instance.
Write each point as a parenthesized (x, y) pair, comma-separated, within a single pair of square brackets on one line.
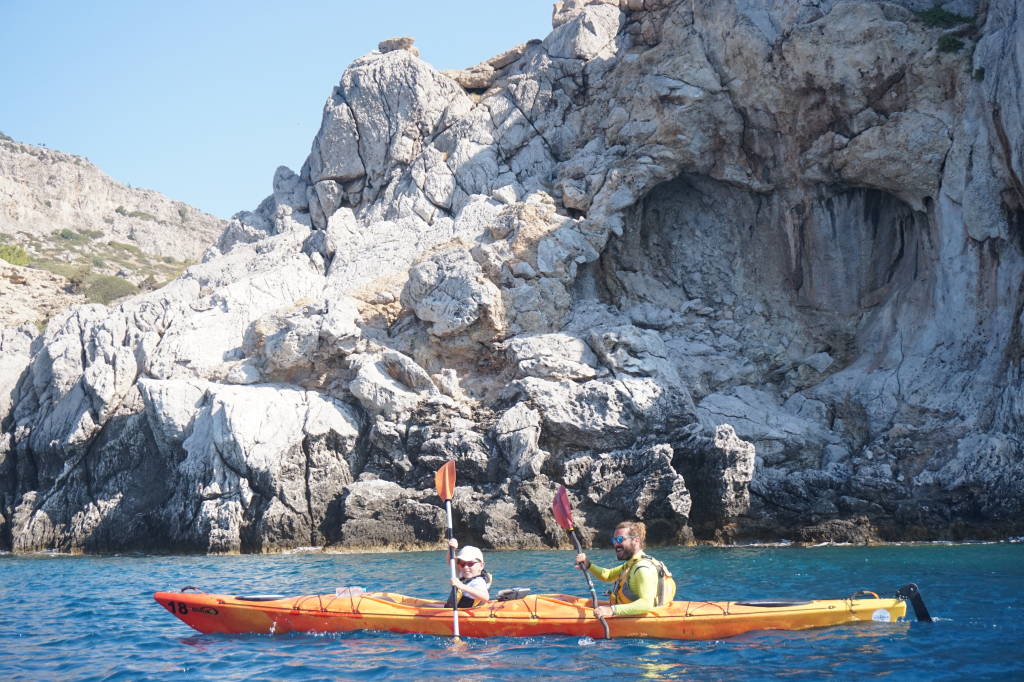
[(881, 615)]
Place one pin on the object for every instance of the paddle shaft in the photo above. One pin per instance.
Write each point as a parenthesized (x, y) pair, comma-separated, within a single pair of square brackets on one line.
[(451, 563), (590, 583)]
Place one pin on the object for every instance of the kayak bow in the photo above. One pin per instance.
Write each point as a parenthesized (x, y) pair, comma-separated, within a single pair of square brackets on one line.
[(544, 614)]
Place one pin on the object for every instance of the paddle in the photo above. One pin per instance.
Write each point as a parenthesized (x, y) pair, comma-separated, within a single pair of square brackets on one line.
[(444, 480), (563, 514)]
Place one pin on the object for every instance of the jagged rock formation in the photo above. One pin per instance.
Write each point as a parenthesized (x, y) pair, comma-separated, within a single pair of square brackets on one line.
[(740, 270)]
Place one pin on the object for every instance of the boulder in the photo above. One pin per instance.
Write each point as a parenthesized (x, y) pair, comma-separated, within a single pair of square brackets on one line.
[(383, 516), (629, 484), (451, 293), (517, 433)]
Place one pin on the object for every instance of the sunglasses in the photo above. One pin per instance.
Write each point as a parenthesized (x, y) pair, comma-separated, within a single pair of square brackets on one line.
[(460, 562), (619, 539)]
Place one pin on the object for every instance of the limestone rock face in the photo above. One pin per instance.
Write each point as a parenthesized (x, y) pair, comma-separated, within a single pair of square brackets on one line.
[(740, 270), (634, 483), (380, 514), (43, 191), (15, 354), (85, 236), (518, 434)]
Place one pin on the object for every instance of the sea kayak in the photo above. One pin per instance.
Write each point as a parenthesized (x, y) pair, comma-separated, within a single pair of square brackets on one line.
[(541, 614)]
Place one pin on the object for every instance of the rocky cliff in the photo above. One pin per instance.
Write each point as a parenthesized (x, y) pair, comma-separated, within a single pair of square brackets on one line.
[(73, 224), (743, 270), (44, 190)]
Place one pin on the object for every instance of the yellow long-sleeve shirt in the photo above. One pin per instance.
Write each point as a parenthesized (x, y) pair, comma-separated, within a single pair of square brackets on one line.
[(643, 582)]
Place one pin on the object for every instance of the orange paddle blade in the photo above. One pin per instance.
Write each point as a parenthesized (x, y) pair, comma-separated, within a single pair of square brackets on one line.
[(562, 509), (444, 479)]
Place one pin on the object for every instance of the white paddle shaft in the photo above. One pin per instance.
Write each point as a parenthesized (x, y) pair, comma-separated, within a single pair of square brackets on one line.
[(451, 563)]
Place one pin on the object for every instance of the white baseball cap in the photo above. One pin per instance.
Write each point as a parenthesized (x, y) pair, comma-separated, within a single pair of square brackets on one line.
[(470, 553)]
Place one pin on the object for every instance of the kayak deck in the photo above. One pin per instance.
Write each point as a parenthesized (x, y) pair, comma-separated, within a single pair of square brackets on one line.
[(543, 614)]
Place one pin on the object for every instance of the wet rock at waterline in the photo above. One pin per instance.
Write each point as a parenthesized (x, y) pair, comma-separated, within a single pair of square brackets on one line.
[(763, 282)]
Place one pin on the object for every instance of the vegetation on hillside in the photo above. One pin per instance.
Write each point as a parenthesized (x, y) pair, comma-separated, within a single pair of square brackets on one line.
[(13, 254), (937, 17), (102, 270), (141, 215), (106, 288), (950, 43)]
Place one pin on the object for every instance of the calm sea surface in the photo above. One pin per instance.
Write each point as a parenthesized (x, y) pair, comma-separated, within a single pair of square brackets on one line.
[(94, 618)]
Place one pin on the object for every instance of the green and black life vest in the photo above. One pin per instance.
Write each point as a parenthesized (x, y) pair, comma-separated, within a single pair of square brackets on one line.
[(622, 594)]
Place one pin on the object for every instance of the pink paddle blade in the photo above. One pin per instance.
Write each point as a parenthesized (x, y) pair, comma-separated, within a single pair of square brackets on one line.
[(562, 509)]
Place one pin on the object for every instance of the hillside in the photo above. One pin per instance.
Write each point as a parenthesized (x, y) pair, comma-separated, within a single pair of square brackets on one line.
[(61, 214)]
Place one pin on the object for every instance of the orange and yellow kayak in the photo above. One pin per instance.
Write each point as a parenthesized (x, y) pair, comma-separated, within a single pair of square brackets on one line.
[(542, 614)]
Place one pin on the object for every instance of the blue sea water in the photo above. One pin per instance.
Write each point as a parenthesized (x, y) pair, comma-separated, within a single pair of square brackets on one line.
[(94, 618)]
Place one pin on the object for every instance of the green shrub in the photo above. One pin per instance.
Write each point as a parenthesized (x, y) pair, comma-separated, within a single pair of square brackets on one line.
[(79, 237), (940, 18), (950, 43), (130, 248), (979, 74), (77, 280), (106, 288), (13, 254), (141, 215)]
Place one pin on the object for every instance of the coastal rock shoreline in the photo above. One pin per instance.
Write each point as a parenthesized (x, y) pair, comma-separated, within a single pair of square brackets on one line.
[(744, 273)]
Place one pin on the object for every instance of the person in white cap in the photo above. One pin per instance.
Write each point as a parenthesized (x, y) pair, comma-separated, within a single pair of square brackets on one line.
[(473, 582)]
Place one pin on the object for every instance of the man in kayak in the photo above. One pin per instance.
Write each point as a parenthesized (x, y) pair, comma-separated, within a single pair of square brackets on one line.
[(642, 583), (473, 582)]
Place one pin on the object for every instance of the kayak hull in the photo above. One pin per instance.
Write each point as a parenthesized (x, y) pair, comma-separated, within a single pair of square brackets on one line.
[(545, 614)]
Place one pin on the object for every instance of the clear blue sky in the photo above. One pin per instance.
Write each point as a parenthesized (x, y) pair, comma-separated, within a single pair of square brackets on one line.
[(203, 99)]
